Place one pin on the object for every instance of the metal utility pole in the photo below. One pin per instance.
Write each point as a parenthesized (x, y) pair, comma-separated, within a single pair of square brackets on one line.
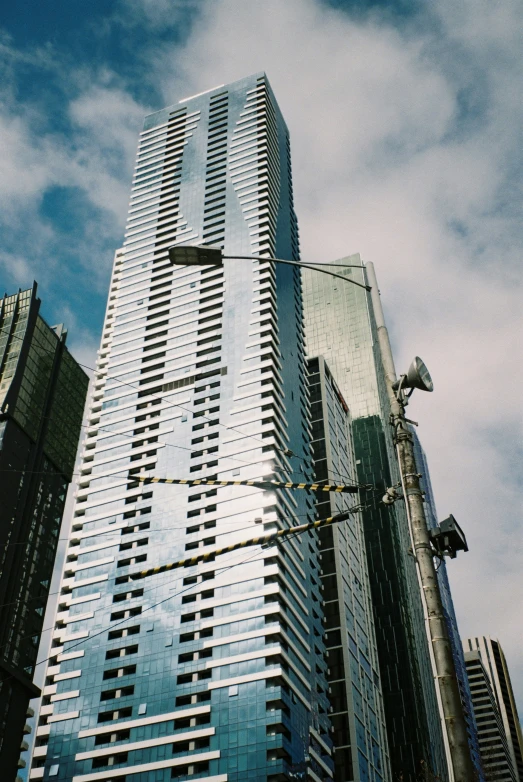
[(445, 670)]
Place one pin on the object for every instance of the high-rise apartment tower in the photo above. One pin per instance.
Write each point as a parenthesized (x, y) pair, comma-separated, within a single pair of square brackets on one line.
[(214, 671), (42, 397), (340, 326)]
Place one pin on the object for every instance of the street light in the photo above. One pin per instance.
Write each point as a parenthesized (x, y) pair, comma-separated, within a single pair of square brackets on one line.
[(418, 377), (203, 255), (189, 255)]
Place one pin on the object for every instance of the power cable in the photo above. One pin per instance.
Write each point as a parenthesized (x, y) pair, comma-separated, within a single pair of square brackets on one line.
[(102, 373), (136, 521), (285, 452), (263, 540), (149, 608), (269, 485), (53, 627), (170, 445), (355, 509)]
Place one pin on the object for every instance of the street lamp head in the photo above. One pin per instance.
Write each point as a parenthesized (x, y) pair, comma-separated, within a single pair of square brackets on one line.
[(418, 376), (192, 255)]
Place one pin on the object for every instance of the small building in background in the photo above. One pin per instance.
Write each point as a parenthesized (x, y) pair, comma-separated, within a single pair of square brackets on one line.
[(42, 397), (499, 729)]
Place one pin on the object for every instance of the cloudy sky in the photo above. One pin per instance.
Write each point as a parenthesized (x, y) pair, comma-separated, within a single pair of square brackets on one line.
[(406, 122)]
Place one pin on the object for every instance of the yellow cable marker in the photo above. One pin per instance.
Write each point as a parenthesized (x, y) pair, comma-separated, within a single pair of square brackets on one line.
[(267, 485), (272, 537)]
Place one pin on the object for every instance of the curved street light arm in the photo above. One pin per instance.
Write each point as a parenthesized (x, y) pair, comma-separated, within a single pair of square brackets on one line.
[(302, 265)]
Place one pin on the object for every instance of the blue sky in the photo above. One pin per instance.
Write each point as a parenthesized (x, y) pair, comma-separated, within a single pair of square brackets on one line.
[(406, 126)]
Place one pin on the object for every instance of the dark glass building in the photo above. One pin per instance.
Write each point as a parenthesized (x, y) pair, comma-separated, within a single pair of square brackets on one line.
[(340, 326), (42, 397), (216, 671), (355, 692)]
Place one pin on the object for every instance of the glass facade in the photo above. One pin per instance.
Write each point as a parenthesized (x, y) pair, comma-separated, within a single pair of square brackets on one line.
[(355, 693), (340, 326), (215, 671), (42, 396)]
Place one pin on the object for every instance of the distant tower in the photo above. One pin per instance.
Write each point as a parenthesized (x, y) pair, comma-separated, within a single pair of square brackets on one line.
[(359, 733), (487, 654), (217, 670), (42, 397)]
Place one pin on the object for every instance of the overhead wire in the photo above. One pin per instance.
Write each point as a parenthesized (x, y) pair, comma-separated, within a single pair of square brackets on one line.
[(103, 373), (148, 608), (353, 509), (136, 520), (286, 452), (341, 478), (122, 621), (97, 610)]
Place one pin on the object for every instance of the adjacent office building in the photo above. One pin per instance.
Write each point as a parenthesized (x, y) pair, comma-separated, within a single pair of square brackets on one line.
[(340, 326), (42, 396), (215, 671), (499, 728), (355, 693)]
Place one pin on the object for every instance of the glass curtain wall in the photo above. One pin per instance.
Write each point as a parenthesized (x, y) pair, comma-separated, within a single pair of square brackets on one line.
[(340, 326), (42, 397)]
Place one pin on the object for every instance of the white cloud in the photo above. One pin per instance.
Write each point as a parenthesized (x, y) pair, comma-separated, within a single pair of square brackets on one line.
[(107, 122), (23, 172), (15, 268), (94, 159)]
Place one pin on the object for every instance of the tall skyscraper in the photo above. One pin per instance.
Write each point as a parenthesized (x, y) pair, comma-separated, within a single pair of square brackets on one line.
[(217, 670), (340, 326), (42, 397), (484, 657), (355, 691)]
